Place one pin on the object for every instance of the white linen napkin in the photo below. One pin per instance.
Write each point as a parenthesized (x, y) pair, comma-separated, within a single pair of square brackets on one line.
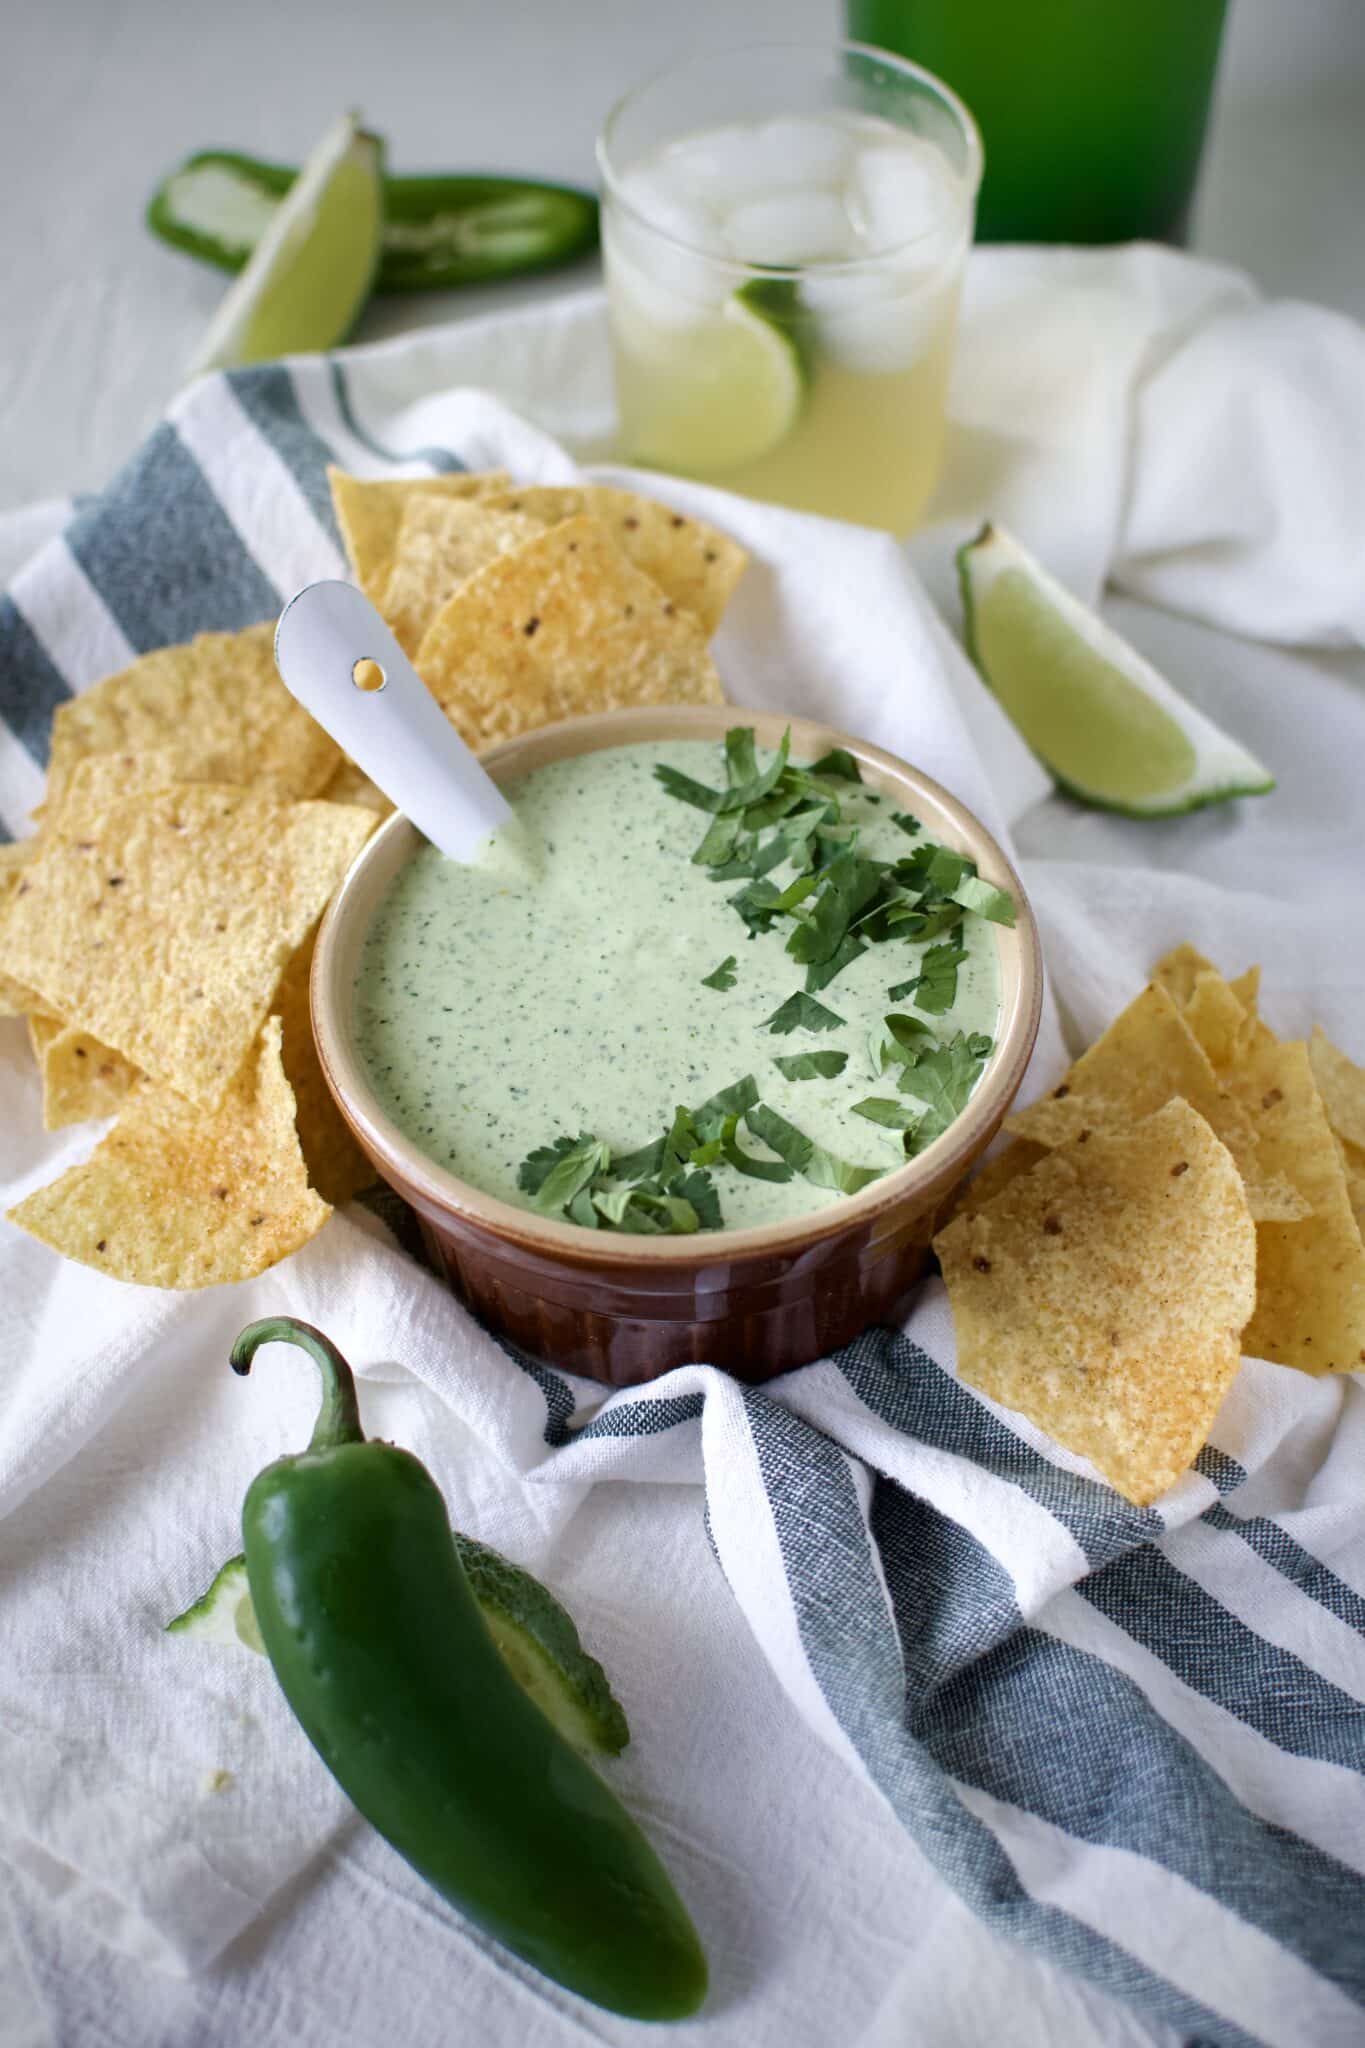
[(816, 1823)]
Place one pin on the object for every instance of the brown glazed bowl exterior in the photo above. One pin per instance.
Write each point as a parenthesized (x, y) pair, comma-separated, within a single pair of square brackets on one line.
[(756, 1301)]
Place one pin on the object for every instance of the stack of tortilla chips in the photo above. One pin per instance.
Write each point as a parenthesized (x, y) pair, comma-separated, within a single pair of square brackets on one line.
[(157, 930), (1194, 1187)]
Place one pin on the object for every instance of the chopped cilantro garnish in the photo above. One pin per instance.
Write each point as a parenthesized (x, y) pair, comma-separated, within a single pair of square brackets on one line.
[(884, 1109), (736, 1100), (907, 1032), (935, 985), (837, 762), (811, 1066), (687, 790), (745, 1162), (581, 1162), (942, 1078), (780, 1136), (756, 904), (801, 1012), (906, 822), (537, 1165), (822, 972), (721, 977), (974, 894)]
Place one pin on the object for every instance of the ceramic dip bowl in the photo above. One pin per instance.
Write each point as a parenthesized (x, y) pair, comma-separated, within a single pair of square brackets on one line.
[(624, 1308)]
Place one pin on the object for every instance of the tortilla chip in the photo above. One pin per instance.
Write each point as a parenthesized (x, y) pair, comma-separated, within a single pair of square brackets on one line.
[(1341, 1084), (1353, 1166), (217, 702), (162, 923), (1218, 1020), (1147, 1056), (337, 1167), (693, 563), (82, 1079), (369, 510), (565, 625), (1178, 970), (441, 542), (996, 1175), (174, 1198), (1103, 1295), (351, 785), (17, 999), (1310, 1275)]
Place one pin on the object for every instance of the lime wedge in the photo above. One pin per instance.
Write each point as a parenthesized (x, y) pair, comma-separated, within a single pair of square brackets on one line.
[(312, 269), (735, 384), (536, 1637), (1109, 728)]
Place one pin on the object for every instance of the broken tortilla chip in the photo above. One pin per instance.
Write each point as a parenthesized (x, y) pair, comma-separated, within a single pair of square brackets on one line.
[(369, 511), (337, 1167), (1103, 1295), (566, 625), (1178, 970), (162, 923), (1310, 1275), (1341, 1084), (82, 1079), (174, 1198), (216, 702), (351, 785), (693, 563), (1147, 1056), (441, 542)]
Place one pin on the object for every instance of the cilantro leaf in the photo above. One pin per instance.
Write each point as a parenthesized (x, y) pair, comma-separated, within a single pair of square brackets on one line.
[(780, 1136), (827, 1170), (837, 762), (824, 971), (535, 1167), (721, 977), (936, 984), (582, 1210), (801, 1012), (689, 791), (908, 825), (745, 1162), (741, 758), (754, 786), (698, 1189), (943, 1079), (906, 1031), (585, 1158), (884, 1109), (811, 1066), (719, 841), (736, 1100), (974, 894), (755, 904)]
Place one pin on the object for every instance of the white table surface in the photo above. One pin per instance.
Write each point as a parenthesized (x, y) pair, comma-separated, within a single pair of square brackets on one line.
[(105, 95)]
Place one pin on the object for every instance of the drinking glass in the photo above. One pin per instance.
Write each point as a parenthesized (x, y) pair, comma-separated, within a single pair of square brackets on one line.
[(784, 229)]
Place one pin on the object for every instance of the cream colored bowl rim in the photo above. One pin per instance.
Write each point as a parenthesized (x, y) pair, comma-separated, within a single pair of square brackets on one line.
[(950, 821)]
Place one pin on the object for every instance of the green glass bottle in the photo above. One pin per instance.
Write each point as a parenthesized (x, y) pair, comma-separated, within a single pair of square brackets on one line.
[(1092, 111)]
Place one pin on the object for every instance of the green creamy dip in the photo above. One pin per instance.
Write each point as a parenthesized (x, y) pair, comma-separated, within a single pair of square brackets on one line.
[(558, 989)]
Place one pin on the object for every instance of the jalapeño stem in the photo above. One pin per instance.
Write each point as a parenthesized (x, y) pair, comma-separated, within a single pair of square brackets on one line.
[(339, 1416)]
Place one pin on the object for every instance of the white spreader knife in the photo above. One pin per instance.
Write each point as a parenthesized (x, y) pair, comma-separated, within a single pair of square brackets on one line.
[(328, 645)]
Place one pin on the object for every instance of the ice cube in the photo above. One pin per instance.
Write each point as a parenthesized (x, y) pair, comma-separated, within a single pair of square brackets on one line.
[(790, 227), (663, 240), (898, 193), (664, 203), (725, 167)]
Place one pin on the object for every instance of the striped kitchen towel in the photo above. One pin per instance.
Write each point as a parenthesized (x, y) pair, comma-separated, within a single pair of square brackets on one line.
[(1133, 1740)]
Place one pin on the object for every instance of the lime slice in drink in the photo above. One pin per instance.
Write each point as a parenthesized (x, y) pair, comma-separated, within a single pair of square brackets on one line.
[(1111, 730), (536, 1637), (734, 384), (312, 269)]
